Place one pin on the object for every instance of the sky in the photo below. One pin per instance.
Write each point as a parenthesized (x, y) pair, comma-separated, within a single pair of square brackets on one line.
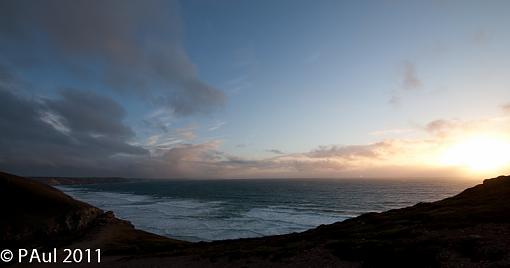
[(255, 89)]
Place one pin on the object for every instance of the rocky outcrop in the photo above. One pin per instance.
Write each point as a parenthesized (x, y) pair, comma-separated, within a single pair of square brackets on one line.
[(39, 215), (36, 215)]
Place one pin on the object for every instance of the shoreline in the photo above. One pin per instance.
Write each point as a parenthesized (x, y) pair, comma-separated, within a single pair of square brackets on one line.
[(471, 229)]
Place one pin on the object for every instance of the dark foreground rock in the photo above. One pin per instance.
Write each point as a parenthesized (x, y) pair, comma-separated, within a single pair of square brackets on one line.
[(36, 215), (471, 229)]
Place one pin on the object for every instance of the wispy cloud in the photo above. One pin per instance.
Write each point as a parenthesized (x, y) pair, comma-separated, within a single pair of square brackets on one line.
[(158, 143), (480, 38), (238, 84), (275, 151), (217, 125), (56, 121), (187, 133), (161, 119), (410, 80), (453, 128), (506, 108), (394, 99)]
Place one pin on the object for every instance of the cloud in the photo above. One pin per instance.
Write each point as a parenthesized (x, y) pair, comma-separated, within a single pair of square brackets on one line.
[(160, 119), (238, 84), (82, 133), (453, 128), (159, 143), (394, 100), (89, 113), (217, 126), (506, 108), (392, 156), (187, 133), (348, 152), (389, 157), (442, 127), (480, 38), (410, 80), (185, 161), (136, 45), (275, 151), (55, 121), (206, 160), (78, 132), (7, 78)]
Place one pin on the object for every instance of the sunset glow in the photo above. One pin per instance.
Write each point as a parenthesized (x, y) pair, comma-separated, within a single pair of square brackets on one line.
[(180, 89), (480, 154)]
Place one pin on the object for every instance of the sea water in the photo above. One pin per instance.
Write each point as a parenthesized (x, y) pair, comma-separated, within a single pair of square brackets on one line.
[(205, 210)]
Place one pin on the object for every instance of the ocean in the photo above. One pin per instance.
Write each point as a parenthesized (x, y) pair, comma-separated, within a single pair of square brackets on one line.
[(205, 210)]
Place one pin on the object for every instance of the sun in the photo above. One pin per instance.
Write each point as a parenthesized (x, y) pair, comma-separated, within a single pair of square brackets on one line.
[(478, 153)]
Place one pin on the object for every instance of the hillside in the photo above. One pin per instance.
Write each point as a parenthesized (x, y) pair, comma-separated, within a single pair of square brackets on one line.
[(36, 215)]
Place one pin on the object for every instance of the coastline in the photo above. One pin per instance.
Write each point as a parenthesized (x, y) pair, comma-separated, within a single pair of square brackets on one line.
[(217, 210), (469, 229)]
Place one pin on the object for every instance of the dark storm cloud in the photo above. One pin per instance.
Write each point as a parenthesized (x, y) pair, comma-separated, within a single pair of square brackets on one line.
[(137, 45), (62, 135), (6, 77), (87, 112)]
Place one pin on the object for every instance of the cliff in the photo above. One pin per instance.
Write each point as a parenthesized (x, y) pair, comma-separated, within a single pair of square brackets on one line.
[(36, 215)]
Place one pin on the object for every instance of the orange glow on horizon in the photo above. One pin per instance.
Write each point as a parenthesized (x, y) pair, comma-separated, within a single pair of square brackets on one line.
[(481, 154)]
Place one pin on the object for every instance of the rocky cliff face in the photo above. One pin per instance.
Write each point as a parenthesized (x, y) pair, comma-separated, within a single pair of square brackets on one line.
[(38, 215)]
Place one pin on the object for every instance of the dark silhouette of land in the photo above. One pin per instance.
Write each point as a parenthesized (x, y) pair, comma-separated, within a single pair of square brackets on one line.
[(80, 180), (471, 229)]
